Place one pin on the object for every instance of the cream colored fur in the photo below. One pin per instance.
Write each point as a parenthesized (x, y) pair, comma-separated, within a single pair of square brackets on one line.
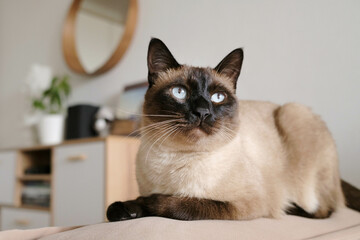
[(279, 155)]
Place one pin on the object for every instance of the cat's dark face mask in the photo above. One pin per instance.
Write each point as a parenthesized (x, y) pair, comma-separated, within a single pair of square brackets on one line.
[(190, 104)]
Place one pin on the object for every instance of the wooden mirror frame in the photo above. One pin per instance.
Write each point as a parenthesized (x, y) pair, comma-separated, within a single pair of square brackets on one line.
[(69, 46)]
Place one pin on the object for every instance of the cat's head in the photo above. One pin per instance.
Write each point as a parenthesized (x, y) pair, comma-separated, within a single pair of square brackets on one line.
[(190, 107)]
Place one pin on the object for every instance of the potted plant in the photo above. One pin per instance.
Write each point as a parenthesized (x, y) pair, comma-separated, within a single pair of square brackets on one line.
[(51, 103)]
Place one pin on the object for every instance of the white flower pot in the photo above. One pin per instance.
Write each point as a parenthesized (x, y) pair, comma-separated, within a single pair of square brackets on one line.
[(51, 129)]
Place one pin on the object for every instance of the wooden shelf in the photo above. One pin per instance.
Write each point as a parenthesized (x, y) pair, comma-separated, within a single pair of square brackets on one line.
[(111, 159), (34, 207), (35, 177)]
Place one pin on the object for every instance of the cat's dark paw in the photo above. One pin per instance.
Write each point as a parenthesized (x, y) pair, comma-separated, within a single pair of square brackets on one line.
[(119, 211)]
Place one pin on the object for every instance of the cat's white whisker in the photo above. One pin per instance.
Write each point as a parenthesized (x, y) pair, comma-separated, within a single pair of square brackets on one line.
[(157, 134), (226, 137), (229, 129), (140, 130), (153, 133), (147, 115), (174, 130), (166, 132), (157, 124)]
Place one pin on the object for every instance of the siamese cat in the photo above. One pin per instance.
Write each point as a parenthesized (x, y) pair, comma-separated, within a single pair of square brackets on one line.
[(206, 155)]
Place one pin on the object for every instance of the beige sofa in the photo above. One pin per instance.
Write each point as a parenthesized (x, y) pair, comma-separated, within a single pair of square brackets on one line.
[(342, 225)]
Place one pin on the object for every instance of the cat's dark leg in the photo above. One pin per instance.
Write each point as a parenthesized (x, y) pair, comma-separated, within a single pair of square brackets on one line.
[(352, 195), (298, 211), (182, 208)]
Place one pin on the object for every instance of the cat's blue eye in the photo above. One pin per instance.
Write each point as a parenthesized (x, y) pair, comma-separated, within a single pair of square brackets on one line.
[(179, 92), (217, 97)]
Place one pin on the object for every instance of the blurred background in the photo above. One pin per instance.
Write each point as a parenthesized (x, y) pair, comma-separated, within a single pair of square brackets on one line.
[(295, 51)]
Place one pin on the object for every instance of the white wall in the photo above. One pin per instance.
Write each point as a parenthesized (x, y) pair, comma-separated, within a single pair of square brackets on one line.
[(305, 51)]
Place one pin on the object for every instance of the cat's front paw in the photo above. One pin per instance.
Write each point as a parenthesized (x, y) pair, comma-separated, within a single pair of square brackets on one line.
[(119, 211)]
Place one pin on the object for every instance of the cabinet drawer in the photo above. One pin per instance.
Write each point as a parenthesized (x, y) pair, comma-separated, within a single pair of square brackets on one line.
[(16, 218), (7, 177), (79, 182)]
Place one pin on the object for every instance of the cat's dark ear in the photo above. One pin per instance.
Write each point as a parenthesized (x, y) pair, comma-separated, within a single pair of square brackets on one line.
[(230, 66), (159, 59)]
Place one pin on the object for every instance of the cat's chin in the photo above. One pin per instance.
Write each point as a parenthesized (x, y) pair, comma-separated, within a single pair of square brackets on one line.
[(195, 139), (197, 132)]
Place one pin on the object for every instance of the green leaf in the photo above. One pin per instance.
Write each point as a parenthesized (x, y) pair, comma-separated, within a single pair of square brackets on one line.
[(38, 104), (51, 100), (47, 92), (64, 86), (53, 82), (58, 100), (55, 102)]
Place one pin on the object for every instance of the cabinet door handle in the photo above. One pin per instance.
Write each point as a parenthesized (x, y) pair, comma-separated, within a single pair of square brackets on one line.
[(80, 157), (22, 222)]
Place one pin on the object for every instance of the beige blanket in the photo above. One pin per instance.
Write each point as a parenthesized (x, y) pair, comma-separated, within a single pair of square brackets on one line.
[(343, 225)]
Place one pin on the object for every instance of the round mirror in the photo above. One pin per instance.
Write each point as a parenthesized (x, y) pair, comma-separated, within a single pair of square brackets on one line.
[(97, 34)]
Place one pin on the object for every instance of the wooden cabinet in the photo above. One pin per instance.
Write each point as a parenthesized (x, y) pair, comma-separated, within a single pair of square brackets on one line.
[(7, 177), (84, 176), (79, 181), (17, 218)]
